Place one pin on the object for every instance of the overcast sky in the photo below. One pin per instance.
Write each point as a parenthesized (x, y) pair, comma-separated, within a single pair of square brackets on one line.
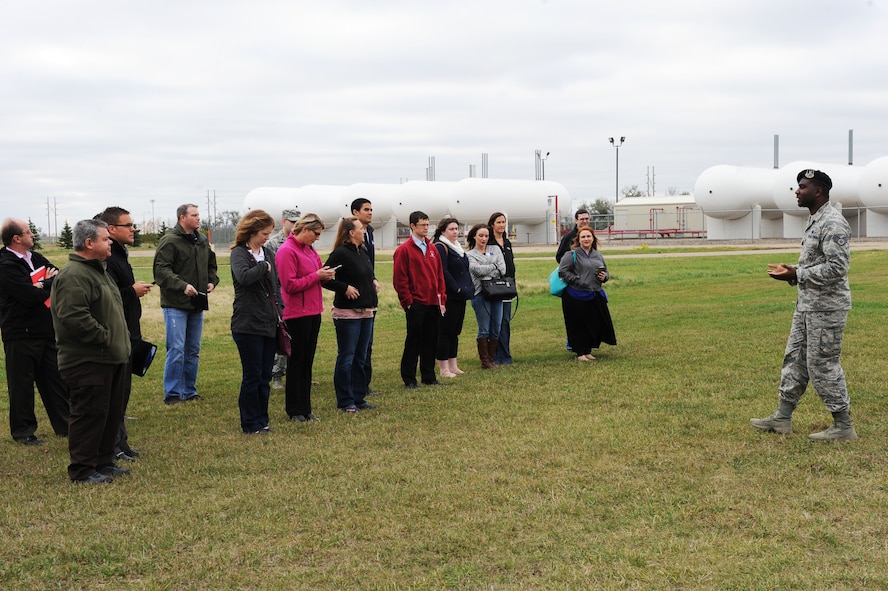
[(120, 102)]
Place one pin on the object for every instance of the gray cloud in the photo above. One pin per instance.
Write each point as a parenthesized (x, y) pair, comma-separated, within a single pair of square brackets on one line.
[(108, 102)]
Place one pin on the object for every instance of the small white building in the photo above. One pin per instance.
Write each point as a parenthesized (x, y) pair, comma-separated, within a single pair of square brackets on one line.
[(658, 216)]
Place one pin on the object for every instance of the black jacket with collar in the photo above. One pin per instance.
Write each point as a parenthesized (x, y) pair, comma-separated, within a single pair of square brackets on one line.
[(357, 271), (23, 313), (121, 272)]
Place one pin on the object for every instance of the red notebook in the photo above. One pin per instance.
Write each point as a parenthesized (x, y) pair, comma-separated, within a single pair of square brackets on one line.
[(39, 274)]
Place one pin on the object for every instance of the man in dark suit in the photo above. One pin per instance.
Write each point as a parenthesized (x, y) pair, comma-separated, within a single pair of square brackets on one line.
[(28, 336), (363, 210)]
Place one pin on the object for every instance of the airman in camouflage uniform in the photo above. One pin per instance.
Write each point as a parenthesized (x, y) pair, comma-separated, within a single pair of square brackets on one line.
[(824, 298), (288, 218)]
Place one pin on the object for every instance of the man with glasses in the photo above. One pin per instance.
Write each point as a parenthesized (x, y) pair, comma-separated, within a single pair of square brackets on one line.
[(185, 270), (123, 234), (582, 221), (418, 278), (28, 335)]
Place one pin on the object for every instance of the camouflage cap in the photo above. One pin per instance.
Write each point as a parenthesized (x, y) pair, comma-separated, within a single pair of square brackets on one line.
[(291, 215)]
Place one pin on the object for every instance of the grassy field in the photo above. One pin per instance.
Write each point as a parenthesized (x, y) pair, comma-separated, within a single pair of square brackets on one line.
[(638, 471)]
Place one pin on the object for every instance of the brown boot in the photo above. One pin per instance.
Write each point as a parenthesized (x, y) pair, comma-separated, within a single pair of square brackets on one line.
[(492, 344), (486, 360)]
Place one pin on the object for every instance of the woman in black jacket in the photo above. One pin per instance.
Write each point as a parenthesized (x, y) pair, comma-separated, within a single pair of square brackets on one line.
[(500, 237), (255, 316), (459, 290), (353, 307)]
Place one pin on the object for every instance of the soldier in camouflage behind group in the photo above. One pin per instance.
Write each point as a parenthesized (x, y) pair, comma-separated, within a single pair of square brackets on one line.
[(815, 340), (289, 217)]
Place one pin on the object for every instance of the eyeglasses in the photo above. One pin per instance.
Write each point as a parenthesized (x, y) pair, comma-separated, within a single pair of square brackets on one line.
[(316, 233), (129, 225)]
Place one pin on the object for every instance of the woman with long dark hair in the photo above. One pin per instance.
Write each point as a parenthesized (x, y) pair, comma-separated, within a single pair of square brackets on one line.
[(353, 307), (254, 316), (301, 275), (584, 303), (500, 237), (460, 289), (485, 262)]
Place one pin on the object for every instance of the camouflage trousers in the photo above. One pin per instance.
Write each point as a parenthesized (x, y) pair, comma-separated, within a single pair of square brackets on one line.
[(812, 353), (279, 369)]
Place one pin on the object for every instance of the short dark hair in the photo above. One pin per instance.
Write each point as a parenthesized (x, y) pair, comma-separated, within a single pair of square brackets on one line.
[(358, 203), (112, 214), (416, 216), (580, 211)]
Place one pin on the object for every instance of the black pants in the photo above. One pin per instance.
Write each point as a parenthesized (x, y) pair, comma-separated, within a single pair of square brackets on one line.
[(30, 361), (122, 434), (421, 341), (96, 411), (450, 329), (304, 331)]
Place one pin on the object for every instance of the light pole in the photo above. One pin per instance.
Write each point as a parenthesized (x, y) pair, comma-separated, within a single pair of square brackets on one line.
[(617, 146), (543, 161), (153, 219)]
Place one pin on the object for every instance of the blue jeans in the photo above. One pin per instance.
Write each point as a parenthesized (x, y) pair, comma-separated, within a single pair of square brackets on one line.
[(183, 331), (503, 350), (489, 315), (350, 375), (257, 360)]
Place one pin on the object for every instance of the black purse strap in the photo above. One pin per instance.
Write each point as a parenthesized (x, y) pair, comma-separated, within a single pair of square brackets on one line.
[(273, 300)]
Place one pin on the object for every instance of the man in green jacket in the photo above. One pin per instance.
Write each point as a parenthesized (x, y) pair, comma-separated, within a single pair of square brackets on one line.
[(94, 346), (185, 270)]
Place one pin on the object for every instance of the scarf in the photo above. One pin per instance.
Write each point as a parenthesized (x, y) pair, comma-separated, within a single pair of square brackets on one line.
[(453, 245)]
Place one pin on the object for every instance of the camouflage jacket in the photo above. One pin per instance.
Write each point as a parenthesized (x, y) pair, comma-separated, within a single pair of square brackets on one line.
[(822, 272)]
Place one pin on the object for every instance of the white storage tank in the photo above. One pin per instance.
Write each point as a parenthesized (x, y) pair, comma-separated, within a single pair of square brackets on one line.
[(730, 192), (429, 197), (273, 200), (873, 184), (473, 200), (322, 200)]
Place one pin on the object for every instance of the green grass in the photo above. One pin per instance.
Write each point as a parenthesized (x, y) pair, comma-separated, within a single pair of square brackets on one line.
[(638, 471)]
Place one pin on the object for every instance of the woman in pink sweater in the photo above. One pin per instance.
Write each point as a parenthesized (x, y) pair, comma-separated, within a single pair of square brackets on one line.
[(301, 274)]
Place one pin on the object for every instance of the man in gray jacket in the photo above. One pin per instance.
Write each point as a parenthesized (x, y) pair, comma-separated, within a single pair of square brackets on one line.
[(94, 347), (185, 271)]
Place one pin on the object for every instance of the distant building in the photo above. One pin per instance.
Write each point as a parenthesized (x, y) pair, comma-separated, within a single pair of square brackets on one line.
[(659, 216)]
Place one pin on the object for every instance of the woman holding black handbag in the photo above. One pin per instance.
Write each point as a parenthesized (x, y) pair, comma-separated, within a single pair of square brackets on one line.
[(254, 317), (500, 237), (485, 262)]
